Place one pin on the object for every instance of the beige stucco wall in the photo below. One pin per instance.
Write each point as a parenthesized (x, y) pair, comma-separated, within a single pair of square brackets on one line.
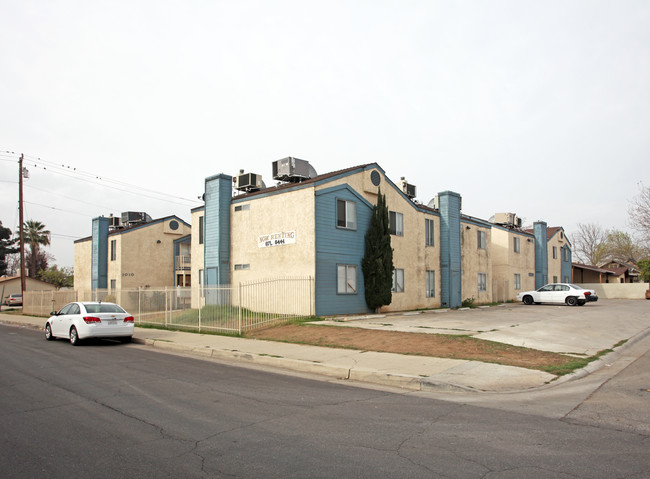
[(506, 263), (410, 252), (141, 260), (83, 264), (198, 256), (475, 261), (618, 290), (555, 265), (291, 211)]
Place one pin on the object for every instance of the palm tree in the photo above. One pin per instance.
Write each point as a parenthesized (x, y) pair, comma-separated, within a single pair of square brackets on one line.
[(35, 235)]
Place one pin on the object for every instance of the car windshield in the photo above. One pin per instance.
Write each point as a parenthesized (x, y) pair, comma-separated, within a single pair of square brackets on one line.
[(103, 308)]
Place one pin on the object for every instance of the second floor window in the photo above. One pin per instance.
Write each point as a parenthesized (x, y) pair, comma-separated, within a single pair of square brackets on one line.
[(396, 223), (517, 245), (428, 232), (113, 250), (346, 214), (480, 239), (201, 221)]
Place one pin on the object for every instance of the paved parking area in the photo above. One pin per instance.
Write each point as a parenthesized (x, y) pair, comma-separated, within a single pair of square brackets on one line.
[(578, 330)]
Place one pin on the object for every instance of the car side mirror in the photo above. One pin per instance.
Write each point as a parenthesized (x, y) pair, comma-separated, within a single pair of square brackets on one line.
[(54, 313)]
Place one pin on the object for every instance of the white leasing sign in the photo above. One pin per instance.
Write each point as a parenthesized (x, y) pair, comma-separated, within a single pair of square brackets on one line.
[(276, 239)]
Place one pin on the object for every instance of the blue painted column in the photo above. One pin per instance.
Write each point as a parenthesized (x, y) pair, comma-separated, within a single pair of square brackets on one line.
[(541, 253), (450, 260), (99, 259), (218, 194)]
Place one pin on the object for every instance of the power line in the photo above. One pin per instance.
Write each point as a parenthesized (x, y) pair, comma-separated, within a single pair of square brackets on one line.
[(78, 174)]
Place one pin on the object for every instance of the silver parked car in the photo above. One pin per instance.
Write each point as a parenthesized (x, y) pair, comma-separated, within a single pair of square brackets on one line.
[(562, 293)]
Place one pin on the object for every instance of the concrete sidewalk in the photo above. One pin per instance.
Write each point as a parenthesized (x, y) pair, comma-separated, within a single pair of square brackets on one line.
[(409, 372)]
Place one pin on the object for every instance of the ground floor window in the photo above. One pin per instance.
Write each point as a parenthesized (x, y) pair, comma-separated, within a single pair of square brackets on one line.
[(346, 281), (517, 281), (555, 279), (398, 281), (482, 281), (431, 284)]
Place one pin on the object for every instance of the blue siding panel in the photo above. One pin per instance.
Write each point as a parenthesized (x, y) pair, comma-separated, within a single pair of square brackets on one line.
[(336, 246), (450, 254), (541, 253), (99, 260), (218, 194)]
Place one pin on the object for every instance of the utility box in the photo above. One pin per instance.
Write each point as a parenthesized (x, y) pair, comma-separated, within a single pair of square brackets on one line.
[(291, 169)]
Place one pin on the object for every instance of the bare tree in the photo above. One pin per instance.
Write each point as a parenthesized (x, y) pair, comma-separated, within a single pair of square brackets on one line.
[(639, 213), (622, 248), (590, 244)]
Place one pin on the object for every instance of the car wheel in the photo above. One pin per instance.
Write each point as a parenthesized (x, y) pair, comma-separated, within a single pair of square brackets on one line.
[(74, 337), (48, 332), (528, 300), (571, 301)]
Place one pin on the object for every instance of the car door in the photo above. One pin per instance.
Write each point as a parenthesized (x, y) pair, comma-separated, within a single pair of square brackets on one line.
[(545, 294), (69, 318), (57, 322)]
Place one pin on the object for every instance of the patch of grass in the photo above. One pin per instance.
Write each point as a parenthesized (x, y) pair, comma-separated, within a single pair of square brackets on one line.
[(574, 364)]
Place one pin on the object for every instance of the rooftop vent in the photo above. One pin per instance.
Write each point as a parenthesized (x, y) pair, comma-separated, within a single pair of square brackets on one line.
[(292, 170)]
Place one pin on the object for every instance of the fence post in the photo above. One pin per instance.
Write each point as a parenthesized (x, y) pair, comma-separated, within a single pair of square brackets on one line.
[(239, 314), (139, 304)]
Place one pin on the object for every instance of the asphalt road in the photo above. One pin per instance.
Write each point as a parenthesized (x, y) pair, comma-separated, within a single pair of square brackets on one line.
[(110, 410)]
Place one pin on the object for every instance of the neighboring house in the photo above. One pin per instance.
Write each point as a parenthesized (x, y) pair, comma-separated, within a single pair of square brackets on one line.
[(134, 252), (11, 285), (316, 227), (583, 273), (623, 272)]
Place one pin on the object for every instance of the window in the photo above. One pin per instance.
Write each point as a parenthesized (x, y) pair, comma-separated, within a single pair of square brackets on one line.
[(346, 281), (396, 221), (482, 281), (555, 279), (346, 214), (113, 250), (480, 239), (398, 281), (245, 207), (242, 266), (566, 279), (200, 277), (113, 284), (428, 232), (431, 284), (201, 221), (566, 254), (517, 281), (517, 245), (554, 252)]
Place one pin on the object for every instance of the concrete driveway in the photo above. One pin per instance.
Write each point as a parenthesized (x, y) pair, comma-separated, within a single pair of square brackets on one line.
[(578, 330)]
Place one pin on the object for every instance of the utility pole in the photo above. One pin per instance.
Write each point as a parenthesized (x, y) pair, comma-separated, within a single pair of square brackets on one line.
[(22, 236)]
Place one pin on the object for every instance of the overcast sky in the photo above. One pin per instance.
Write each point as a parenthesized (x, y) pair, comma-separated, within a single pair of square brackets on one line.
[(541, 108)]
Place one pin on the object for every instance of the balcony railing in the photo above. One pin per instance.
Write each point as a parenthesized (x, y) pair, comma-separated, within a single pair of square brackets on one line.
[(183, 262)]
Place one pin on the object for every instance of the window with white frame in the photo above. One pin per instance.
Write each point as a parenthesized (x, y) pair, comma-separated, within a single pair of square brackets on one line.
[(482, 281), (431, 284), (480, 239), (517, 245), (346, 279), (200, 277), (113, 284), (346, 214), (239, 267), (428, 232), (566, 279), (396, 221), (398, 281), (517, 281), (554, 252), (113, 250)]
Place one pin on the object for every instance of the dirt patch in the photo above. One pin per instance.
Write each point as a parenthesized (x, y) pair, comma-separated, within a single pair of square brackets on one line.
[(419, 344)]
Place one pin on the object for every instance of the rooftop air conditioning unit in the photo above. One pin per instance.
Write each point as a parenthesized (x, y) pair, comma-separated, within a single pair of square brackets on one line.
[(114, 222), (135, 217), (248, 182), (408, 189), (291, 169)]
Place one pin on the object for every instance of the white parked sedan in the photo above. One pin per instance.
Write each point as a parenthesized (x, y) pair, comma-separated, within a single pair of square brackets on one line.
[(564, 293), (77, 321)]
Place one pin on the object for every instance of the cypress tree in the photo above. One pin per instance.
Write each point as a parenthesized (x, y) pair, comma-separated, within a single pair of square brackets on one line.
[(377, 262)]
